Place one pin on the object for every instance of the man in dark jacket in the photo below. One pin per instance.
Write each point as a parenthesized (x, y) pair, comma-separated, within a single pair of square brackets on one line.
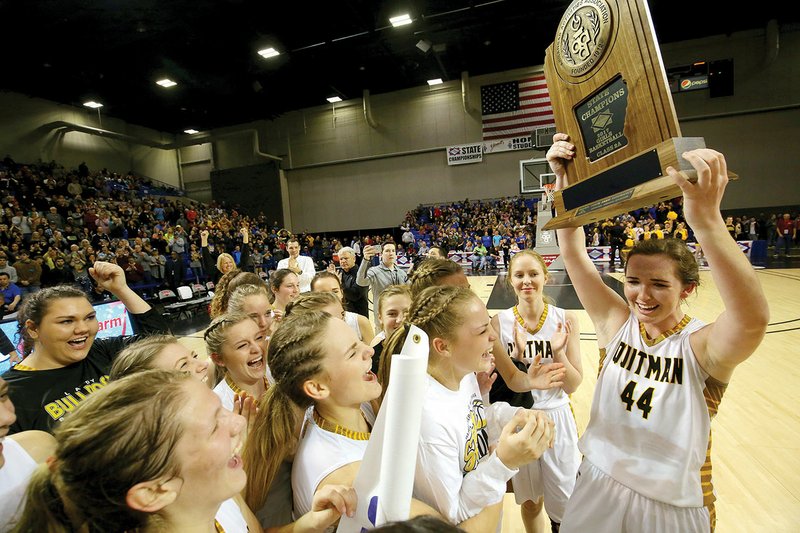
[(174, 271), (354, 294)]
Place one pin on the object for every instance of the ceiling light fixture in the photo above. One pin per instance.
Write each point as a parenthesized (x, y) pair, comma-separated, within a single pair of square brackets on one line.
[(93, 104), (436, 81), (334, 99), (266, 53), (166, 83), (190, 131), (400, 20)]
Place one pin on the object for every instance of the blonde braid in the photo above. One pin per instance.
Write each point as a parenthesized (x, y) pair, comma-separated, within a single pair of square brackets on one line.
[(436, 311), (430, 271)]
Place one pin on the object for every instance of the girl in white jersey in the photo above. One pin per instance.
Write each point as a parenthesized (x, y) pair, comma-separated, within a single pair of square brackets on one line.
[(235, 343), (152, 451), (550, 339), (662, 373), (166, 353), (320, 367), (253, 301), (456, 473), (327, 281)]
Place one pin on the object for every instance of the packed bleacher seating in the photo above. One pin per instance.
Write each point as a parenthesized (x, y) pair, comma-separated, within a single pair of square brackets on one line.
[(65, 219)]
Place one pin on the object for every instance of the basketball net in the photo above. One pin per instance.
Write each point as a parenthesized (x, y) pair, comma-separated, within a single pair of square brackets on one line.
[(549, 193)]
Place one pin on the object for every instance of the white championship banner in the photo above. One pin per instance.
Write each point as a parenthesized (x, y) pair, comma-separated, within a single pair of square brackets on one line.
[(465, 153)]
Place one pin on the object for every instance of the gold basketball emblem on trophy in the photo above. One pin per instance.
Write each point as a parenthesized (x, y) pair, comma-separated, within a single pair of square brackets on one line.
[(582, 36)]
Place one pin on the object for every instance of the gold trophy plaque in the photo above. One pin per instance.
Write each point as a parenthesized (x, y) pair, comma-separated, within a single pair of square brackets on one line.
[(610, 94)]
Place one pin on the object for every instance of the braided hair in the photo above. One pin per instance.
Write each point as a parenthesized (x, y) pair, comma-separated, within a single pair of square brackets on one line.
[(295, 354), (430, 271), (437, 311)]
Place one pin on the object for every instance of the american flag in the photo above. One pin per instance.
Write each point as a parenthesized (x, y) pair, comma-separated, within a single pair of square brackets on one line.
[(515, 108)]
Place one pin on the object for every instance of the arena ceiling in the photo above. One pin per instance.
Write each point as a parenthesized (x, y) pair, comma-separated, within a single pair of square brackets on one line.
[(113, 51)]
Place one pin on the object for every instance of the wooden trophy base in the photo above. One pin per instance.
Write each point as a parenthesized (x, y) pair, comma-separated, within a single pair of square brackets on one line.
[(629, 185)]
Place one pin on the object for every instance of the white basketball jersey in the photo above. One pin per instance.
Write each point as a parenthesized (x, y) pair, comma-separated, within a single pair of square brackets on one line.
[(538, 344), (650, 421), (320, 453)]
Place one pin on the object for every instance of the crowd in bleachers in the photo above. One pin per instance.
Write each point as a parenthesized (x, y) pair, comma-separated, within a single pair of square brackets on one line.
[(65, 219), (489, 228)]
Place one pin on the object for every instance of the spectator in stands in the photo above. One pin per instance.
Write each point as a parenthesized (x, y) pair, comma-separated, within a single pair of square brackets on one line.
[(55, 218), (174, 271), (301, 265), (752, 228), (59, 274), (407, 237), (8, 269), (256, 260), (224, 261), (74, 188), (196, 260), (22, 223), (786, 231), (478, 257), (771, 232), (29, 273), (505, 250), (134, 272), (191, 214), (492, 257), (354, 294), (76, 261), (156, 263), (355, 244), (268, 261), (179, 241), (12, 295)]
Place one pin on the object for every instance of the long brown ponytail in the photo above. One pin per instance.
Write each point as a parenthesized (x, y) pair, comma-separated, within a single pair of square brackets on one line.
[(295, 354)]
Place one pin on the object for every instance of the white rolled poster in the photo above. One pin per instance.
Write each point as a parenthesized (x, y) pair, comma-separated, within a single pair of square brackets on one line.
[(385, 479)]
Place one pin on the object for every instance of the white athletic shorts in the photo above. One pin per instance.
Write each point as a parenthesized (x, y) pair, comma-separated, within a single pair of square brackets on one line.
[(602, 505), (553, 475)]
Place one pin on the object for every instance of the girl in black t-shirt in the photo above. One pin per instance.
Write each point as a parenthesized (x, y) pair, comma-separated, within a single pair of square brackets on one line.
[(63, 362)]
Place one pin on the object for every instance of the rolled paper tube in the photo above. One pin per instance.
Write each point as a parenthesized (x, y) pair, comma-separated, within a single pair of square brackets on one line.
[(385, 479)]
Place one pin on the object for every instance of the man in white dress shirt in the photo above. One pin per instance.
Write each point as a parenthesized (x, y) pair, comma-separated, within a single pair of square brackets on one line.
[(301, 265)]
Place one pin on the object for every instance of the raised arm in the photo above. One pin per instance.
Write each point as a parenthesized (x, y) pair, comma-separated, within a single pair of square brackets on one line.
[(738, 331), (208, 261), (361, 276), (111, 278), (245, 257), (606, 309)]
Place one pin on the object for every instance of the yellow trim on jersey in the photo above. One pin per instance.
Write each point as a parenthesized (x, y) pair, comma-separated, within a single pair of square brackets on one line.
[(678, 327), (340, 430), (27, 368), (236, 390), (602, 360), (521, 320), (713, 393)]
